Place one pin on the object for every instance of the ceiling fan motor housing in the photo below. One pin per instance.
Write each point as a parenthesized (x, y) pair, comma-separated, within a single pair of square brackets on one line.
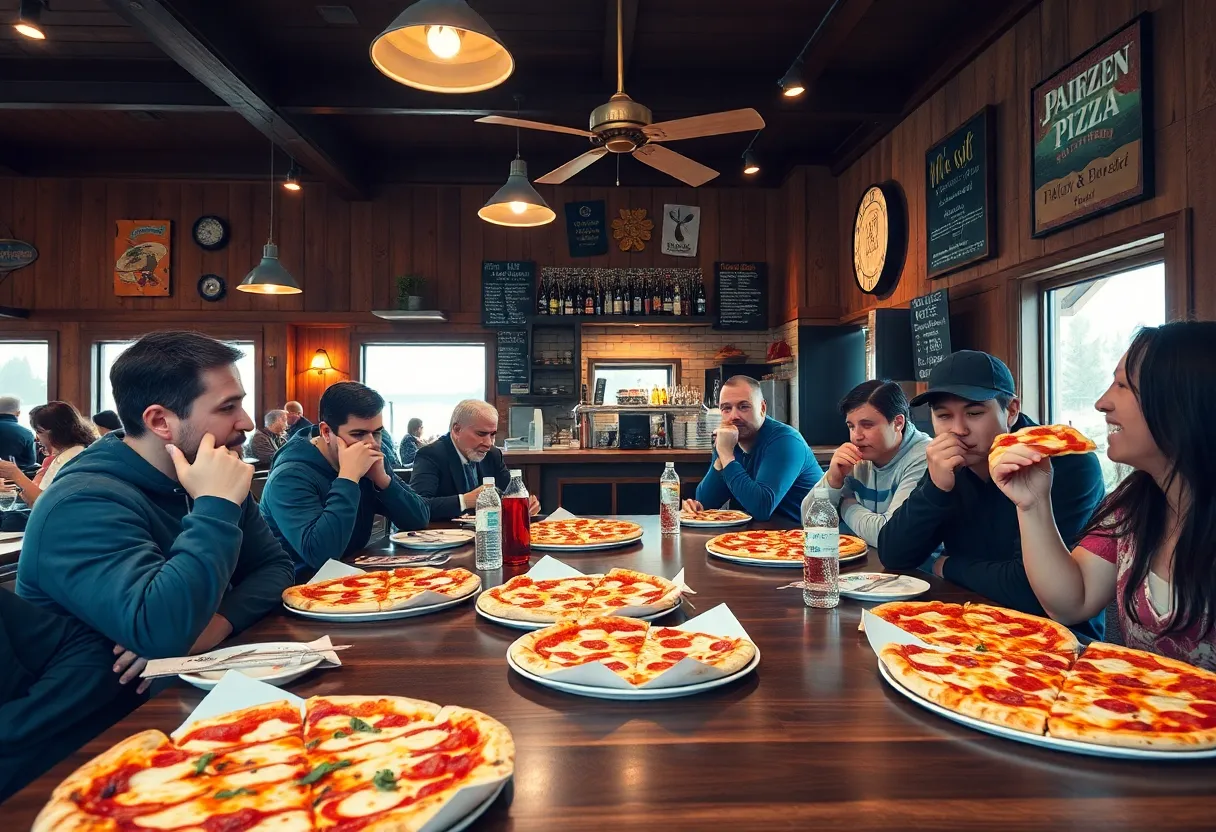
[(618, 124)]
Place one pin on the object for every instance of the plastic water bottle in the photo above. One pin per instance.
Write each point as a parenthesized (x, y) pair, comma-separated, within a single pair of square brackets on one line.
[(821, 561), (488, 554), (669, 500)]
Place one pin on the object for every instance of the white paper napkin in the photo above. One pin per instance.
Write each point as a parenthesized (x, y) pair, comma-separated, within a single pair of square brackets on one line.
[(561, 514), (880, 633)]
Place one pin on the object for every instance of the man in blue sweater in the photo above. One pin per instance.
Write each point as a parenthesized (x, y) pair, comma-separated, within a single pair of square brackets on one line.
[(956, 505), (150, 536), (763, 466), (327, 484)]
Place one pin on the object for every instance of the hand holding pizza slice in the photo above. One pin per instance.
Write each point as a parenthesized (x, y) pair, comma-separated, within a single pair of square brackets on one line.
[(1019, 461)]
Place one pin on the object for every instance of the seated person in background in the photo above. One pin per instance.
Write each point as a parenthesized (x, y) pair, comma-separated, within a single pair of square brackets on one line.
[(763, 466), (152, 538), (15, 439), (296, 421), (880, 432), (63, 433), (448, 472), (105, 422), (267, 439), (56, 692), (956, 504), (412, 441), (327, 485), (1150, 547)]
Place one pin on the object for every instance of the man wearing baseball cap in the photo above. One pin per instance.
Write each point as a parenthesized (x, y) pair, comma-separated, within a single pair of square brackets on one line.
[(956, 505)]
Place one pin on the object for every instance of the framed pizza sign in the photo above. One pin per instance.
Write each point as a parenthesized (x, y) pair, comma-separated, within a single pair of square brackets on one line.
[(142, 254), (1090, 132)]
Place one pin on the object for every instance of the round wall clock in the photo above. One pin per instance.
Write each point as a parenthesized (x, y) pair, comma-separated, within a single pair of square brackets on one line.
[(880, 239), (210, 233), (212, 287)]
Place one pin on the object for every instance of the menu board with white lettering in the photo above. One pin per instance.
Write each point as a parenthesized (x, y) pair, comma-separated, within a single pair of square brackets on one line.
[(930, 331), (959, 189), (511, 362), (742, 296), (508, 292)]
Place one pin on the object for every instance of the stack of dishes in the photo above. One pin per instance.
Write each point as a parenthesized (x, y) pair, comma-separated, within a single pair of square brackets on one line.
[(699, 433)]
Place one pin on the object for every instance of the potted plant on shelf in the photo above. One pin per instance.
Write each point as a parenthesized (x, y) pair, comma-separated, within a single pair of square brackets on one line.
[(409, 292)]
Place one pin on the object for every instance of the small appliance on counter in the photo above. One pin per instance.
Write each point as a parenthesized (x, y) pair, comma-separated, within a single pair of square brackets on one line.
[(635, 431)]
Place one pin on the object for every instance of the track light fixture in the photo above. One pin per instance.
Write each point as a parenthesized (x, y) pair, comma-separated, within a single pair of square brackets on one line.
[(792, 83), (292, 181), (751, 166), (29, 20)]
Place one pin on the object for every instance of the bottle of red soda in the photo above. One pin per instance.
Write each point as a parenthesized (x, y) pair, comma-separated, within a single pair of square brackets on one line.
[(516, 523)]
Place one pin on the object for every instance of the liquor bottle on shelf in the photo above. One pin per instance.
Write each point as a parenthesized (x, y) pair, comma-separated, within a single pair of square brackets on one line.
[(542, 299), (646, 297), (554, 300), (569, 297), (637, 296), (701, 303), (668, 299), (676, 301), (656, 297), (688, 297), (589, 300), (618, 299)]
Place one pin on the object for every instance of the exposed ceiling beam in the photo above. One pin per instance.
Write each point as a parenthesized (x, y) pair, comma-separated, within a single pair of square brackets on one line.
[(968, 50), (205, 46), (629, 24)]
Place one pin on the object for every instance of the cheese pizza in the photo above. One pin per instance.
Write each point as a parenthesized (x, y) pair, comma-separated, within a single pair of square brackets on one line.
[(1049, 440), (724, 516), (352, 763), (620, 592), (380, 591), (583, 531), (776, 545), (632, 649)]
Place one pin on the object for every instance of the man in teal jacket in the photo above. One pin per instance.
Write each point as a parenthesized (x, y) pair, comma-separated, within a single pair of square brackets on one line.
[(150, 536), (327, 484)]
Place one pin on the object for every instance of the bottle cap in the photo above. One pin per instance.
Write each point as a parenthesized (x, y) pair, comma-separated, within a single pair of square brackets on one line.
[(487, 481), (671, 465), (517, 472)]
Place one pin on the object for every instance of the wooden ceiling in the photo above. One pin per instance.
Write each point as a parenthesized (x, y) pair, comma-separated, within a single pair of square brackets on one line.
[(194, 87)]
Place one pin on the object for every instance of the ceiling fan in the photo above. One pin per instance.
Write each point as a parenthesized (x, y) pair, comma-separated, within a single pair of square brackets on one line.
[(625, 126)]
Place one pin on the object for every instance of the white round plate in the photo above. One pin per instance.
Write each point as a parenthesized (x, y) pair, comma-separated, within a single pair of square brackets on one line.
[(357, 617), (585, 547), (468, 819), (906, 587), (634, 694), (431, 540), (536, 625), (775, 564), (274, 674), (1043, 741), (713, 524)]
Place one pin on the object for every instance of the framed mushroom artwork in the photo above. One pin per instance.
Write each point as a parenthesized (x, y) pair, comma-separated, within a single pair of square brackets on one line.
[(142, 255)]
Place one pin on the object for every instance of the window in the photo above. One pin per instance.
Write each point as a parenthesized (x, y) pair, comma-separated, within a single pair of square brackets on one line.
[(643, 375), (107, 352), (1089, 324), (424, 381), (24, 369)]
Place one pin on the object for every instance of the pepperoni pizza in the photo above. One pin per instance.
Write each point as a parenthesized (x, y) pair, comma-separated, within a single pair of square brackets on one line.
[(1049, 440), (351, 762), (632, 649), (583, 531), (776, 545), (620, 592), (723, 516), (380, 591)]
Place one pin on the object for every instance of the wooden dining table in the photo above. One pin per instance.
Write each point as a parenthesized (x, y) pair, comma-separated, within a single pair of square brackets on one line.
[(812, 739)]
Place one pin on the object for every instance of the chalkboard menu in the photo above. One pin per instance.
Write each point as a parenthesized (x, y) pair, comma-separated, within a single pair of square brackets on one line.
[(930, 331), (742, 296), (508, 292), (511, 362), (959, 185)]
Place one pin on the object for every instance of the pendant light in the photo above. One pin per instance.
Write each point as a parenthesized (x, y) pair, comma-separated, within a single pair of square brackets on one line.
[(269, 277), (29, 19), (442, 46), (292, 181), (517, 204)]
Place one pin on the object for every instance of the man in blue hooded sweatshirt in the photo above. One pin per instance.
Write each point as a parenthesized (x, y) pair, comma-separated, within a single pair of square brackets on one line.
[(150, 536), (328, 483)]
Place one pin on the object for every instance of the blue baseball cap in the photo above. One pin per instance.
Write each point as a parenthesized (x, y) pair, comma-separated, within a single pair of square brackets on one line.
[(970, 375)]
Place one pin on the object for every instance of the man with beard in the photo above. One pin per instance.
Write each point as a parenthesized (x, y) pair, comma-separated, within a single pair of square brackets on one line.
[(762, 466), (327, 484), (449, 472), (956, 505), (150, 536)]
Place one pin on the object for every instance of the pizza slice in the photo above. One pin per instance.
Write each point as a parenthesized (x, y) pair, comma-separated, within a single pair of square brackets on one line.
[(1012, 690), (353, 593), (544, 601), (850, 545), (273, 797), (407, 583), (933, 622), (715, 515), (1049, 440), (248, 726), (339, 724), (613, 641), (627, 592), (665, 647), (1008, 631)]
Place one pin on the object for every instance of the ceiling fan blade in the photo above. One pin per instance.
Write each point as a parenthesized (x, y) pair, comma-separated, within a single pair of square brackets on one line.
[(713, 124), (534, 125), (674, 164), (559, 175)]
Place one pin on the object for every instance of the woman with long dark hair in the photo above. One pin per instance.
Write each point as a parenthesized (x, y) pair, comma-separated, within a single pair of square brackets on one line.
[(63, 433), (1152, 542)]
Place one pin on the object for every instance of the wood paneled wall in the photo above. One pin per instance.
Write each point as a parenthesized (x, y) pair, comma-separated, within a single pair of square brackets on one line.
[(1052, 34), (812, 264)]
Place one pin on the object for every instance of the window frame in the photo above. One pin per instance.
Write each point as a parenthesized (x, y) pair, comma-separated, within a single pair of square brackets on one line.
[(51, 338), (625, 363)]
